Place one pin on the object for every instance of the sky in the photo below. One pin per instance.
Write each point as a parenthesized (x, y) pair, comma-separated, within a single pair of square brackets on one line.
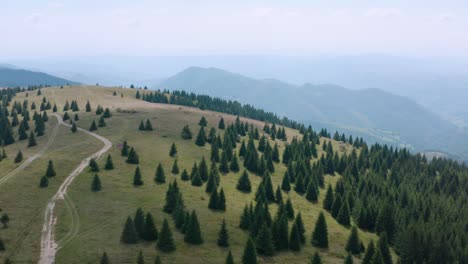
[(31, 28)]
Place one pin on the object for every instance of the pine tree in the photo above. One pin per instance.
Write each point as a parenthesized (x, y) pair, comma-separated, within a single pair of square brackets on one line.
[(354, 244), (336, 205), (73, 128), (229, 258), (93, 126), (221, 124), (250, 254), (203, 122), (173, 150), (140, 258), (300, 227), (65, 116), (137, 179), (299, 185), (129, 235), (157, 260), (186, 133), (245, 219), (132, 157), (160, 176), (200, 140), (19, 157), (328, 201), (141, 127), (223, 236), (316, 259), (196, 179), (139, 222), (213, 203), (224, 166), (50, 172), (234, 166), (289, 209), (93, 166), (76, 118), (193, 232), (124, 151), (278, 195), (384, 249), (109, 164), (320, 234), (184, 176), (150, 232), (22, 132), (370, 251), (311, 194), (54, 109), (148, 125), (377, 257), (175, 168), (44, 182), (286, 184), (106, 113), (348, 259), (96, 184), (32, 140), (88, 107), (244, 184), (166, 241), (101, 122), (2, 245), (221, 205), (343, 215), (264, 241), (280, 228), (104, 259)]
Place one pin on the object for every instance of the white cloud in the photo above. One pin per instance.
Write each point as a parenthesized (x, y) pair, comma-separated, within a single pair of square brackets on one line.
[(260, 12), (383, 12)]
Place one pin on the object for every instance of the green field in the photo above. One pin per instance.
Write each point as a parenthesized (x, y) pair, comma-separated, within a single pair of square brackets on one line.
[(89, 223)]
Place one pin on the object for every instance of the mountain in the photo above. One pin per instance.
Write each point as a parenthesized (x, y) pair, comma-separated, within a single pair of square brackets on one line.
[(372, 113), (11, 76)]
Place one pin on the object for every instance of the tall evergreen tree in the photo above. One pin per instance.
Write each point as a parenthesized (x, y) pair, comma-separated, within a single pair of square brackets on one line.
[(193, 232), (300, 227), (384, 249), (224, 166), (175, 168), (264, 241), (203, 122), (104, 259), (250, 254), (102, 122), (186, 133), (294, 239), (286, 184), (370, 251), (289, 209), (311, 194), (320, 234), (129, 234), (96, 184), (32, 140), (173, 150), (19, 157), (139, 222), (50, 171), (201, 138), (223, 236), (93, 166), (109, 164), (44, 182), (93, 126), (328, 201), (234, 166), (137, 179), (166, 240), (244, 184), (354, 244), (316, 259), (229, 258), (348, 259), (343, 215), (148, 125), (73, 128), (221, 205), (160, 176), (221, 124), (132, 157), (150, 232)]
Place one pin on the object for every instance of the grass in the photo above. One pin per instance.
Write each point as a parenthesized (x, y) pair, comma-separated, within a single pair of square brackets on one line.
[(90, 223)]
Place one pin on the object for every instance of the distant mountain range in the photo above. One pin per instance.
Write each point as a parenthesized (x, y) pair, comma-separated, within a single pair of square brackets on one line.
[(11, 76), (376, 115)]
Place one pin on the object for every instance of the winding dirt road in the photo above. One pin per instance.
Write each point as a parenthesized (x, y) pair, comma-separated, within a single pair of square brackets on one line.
[(48, 244)]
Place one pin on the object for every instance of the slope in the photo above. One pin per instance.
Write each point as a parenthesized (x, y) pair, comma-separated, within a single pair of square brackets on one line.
[(12, 77)]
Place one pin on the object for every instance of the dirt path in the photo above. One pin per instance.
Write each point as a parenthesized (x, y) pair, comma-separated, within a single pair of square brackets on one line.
[(32, 158), (48, 244)]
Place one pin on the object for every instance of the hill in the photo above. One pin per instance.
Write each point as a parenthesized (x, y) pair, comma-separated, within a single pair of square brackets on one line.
[(11, 76), (71, 220), (374, 114)]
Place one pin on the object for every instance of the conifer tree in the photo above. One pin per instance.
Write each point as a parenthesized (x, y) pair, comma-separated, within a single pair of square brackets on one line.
[(160, 176), (299, 185), (104, 259), (96, 184), (93, 166), (173, 150), (124, 151), (166, 241), (245, 219), (200, 140), (32, 140), (234, 166), (157, 260), (139, 222), (203, 170), (370, 251), (193, 232), (213, 203), (311, 194), (289, 209), (22, 132), (44, 182), (336, 205), (286, 184), (348, 259), (377, 257), (101, 122), (224, 166), (343, 215), (316, 259), (221, 205), (109, 164), (278, 195), (186, 133), (184, 176), (132, 157), (264, 241), (141, 127), (50, 171), (65, 116), (175, 168), (203, 122), (137, 179), (140, 258), (93, 126), (294, 239), (88, 107), (223, 236), (19, 157), (244, 184), (320, 234), (281, 236), (384, 249), (76, 118), (106, 113), (221, 124), (54, 109), (229, 258), (196, 179), (354, 244), (148, 125), (214, 152), (300, 228), (250, 254), (73, 128), (129, 234), (328, 201)]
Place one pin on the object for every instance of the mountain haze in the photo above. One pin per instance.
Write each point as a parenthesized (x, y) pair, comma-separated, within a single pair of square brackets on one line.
[(11, 76)]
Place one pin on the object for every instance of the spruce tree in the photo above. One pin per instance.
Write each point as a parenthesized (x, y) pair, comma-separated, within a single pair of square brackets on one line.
[(96, 184), (203, 122), (106, 113), (137, 179), (294, 239), (384, 249), (129, 234), (166, 241), (32, 140), (229, 258), (250, 254), (328, 201), (311, 194), (343, 215), (173, 150), (19, 157), (150, 232), (73, 128), (348, 259), (299, 185), (221, 205), (224, 166), (104, 259), (336, 205), (370, 251), (223, 236), (186, 133), (196, 179), (278, 195), (65, 116), (200, 140), (22, 132), (50, 171), (221, 124), (316, 259), (320, 234), (354, 244), (213, 203), (234, 166), (243, 184), (193, 232), (93, 126), (160, 177), (139, 222), (101, 122), (148, 125), (141, 127), (289, 209), (300, 227), (184, 176), (93, 166), (281, 230), (76, 118), (44, 182), (88, 107), (140, 258), (286, 184), (132, 157), (264, 241), (175, 168), (157, 260), (109, 164)]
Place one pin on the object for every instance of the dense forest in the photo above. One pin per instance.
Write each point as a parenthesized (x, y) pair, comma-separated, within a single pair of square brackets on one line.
[(417, 206)]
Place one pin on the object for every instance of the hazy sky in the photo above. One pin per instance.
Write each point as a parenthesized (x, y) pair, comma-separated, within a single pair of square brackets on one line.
[(116, 27)]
